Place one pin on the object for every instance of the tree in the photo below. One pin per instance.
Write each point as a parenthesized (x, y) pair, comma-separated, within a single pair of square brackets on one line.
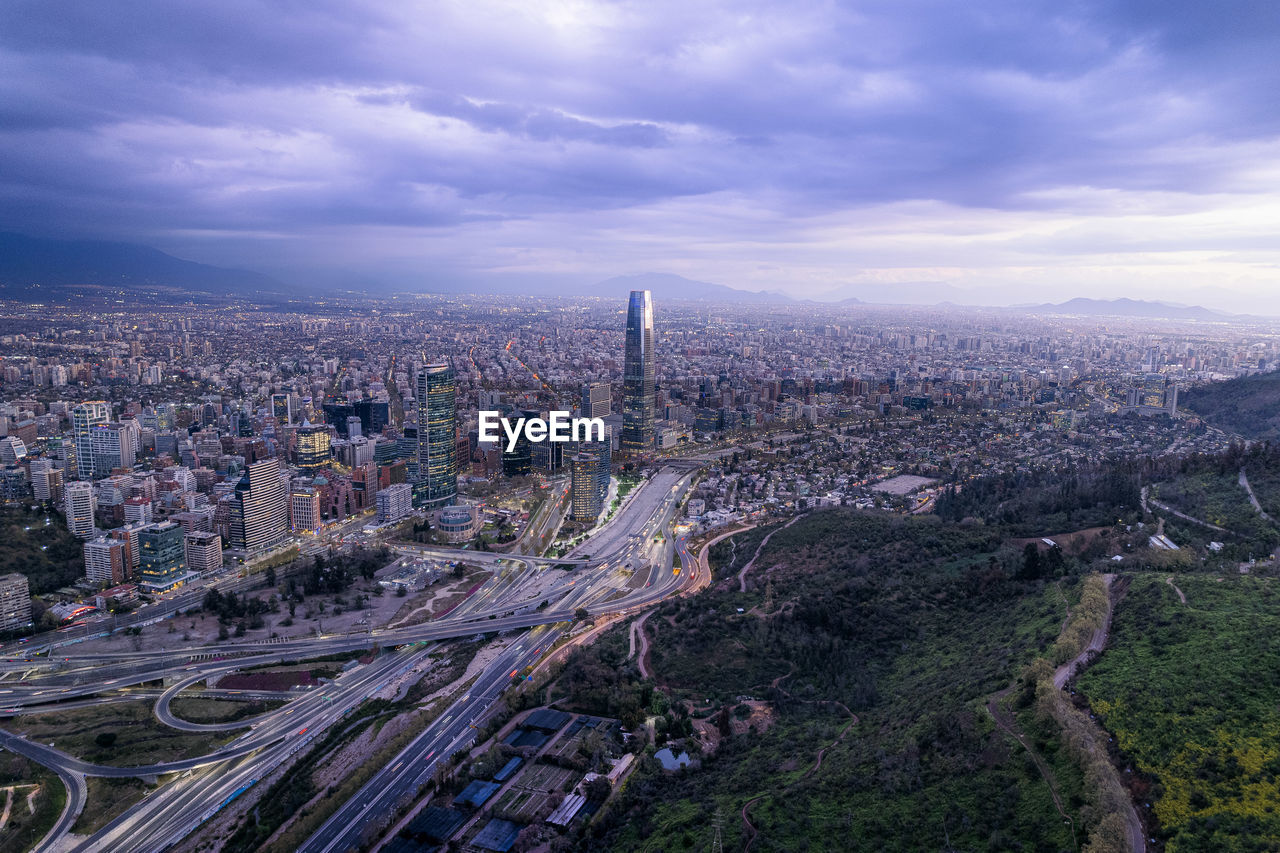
[(271, 575), (581, 614), (1030, 562), (105, 739)]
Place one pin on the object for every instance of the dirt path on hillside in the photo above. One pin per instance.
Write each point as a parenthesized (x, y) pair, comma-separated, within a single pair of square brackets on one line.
[(748, 826), (637, 628), (1253, 499), (1069, 670), (1006, 722), (1181, 596), (742, 575), (1097, 642)]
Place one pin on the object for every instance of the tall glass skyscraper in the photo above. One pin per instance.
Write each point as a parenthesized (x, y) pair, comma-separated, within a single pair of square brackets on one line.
[(437, 455), (638, 376)]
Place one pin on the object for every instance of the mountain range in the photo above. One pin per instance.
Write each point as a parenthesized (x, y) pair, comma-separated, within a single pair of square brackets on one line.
[(35, 268)]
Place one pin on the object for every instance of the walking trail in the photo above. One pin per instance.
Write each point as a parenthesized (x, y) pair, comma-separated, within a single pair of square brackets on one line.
[(742, 575), (1253, 499), (748, 827)]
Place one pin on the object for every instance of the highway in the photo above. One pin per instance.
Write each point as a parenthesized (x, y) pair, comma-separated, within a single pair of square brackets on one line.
[(375, 803), (524, 595)]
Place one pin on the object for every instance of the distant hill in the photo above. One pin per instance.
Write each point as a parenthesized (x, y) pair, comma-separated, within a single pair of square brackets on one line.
[(1125, 307), (34, 268), (1248, 406), (670, 286)]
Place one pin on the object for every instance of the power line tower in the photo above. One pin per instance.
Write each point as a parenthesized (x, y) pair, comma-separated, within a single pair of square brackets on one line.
[(717, 843)]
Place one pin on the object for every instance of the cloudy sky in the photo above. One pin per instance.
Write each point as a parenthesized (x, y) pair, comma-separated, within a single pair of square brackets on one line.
[(1014, 151)]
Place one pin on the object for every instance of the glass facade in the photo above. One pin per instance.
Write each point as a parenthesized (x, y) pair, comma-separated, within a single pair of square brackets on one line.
[(638, 376), (437, 434)]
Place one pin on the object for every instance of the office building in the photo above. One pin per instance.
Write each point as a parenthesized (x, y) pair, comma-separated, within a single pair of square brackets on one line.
[(203, 551), (282, 409), (15, 602), (85, 418), (304, 509), (584, 496), (437, 457), (547, 456), (106, 562), (394, 502), (163, 563), (259, 508), (518, 461), (458, 523), (373, 416), (597, 400), (639, 376), (312, 452), (80, 502)]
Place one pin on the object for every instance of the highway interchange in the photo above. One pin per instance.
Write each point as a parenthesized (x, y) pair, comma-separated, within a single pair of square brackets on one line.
[(624, 567)]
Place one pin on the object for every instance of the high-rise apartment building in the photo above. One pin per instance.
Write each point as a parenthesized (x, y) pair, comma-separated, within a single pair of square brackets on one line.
[(437, 455), (15, 602), (85, 418), (203, 551), (79, 502), (639, 376), (40, 479), (394, 502), (259, 508), (106, 562)]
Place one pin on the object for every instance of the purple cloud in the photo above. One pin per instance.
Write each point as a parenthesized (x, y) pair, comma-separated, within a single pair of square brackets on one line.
[(533, 130)]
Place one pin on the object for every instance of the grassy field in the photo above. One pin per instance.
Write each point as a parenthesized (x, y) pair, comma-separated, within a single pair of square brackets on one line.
[(108, 799), (907, 623), (1192, 695), (139, 738), (196, 709), (24, 829)]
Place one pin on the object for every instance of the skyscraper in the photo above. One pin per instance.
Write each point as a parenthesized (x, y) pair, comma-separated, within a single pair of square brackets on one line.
[(437, 455), (638, 376), (282, 408), (518, 461), (259, 509), (313, 451), (584, 498), (85, 418)]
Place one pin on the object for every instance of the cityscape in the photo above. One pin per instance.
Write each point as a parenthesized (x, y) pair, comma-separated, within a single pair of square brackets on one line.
[(383, 467)]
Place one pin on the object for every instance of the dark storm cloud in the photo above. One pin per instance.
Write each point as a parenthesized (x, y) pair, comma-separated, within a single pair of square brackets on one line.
[(141, 118)]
